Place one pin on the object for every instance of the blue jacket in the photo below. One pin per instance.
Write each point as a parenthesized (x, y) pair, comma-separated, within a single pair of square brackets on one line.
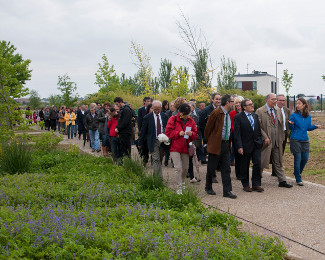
[(300, 126)]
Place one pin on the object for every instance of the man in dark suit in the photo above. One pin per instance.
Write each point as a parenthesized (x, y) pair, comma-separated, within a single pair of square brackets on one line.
[(153, 125), (248, 142), (142, 112)]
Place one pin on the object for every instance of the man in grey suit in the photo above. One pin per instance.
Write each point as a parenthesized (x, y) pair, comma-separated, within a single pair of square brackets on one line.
[(271, 121)]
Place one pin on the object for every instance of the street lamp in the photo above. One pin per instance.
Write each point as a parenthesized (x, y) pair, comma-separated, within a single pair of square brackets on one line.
[(276, 75)]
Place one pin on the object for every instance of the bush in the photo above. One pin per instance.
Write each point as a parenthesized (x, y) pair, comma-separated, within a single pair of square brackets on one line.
[(47, 141), (15, 156)]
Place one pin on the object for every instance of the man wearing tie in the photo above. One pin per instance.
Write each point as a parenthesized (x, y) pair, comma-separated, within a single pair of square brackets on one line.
[(248, 142), (271, 122), (153, 125)]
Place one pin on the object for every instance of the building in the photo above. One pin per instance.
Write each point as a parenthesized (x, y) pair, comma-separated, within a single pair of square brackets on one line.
[(263, 82)]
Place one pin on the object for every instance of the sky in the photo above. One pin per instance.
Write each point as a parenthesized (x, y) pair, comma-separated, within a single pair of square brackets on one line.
[(68, 36)]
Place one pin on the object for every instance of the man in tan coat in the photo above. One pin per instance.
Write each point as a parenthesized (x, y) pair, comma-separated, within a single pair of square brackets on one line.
[(271, 122)]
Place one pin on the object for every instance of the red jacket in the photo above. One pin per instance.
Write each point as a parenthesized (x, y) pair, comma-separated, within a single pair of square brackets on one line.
[(111, 124), (232, 117), (179, 143)]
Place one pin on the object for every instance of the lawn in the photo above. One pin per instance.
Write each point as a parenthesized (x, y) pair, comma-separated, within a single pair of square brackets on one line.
[(75, 206)]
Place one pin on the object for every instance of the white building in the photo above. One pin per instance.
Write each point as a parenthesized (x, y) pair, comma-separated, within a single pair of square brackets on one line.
[(263, 82)]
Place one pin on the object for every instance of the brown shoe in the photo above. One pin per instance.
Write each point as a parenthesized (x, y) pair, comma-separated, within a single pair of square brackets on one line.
[(247, 189), (258, 188)]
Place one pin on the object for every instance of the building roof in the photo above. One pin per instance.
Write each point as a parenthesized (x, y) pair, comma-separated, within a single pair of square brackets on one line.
[(255, 74)]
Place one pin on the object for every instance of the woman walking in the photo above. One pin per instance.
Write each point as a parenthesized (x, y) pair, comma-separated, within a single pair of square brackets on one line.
[(181, 129), (299, 124), (70, 121)]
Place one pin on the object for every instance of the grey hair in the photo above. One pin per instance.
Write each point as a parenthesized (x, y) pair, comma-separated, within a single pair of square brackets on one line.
[(268, 95), (192, 103), (156, 102), (280, 95)]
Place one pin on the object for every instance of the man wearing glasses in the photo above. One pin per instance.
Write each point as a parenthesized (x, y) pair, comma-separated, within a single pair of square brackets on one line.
[(248, 142), (271, 122)]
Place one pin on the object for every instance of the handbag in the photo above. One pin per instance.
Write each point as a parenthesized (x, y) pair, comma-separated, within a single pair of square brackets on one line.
[(191, 149)]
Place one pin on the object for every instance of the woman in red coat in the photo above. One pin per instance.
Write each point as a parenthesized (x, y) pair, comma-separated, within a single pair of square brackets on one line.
[(181, 129)]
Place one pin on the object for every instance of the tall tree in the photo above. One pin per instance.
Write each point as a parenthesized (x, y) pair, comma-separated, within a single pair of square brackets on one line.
[(106, 78), (14, 72), (202, 78), (323, 77), (55, 100), (68, 89), (34, 99), (145, 74), (287, 81), (165, 74), (226, 76), (179, 86)]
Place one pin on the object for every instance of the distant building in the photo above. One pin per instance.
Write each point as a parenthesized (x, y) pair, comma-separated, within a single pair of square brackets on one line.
[(263, 82)]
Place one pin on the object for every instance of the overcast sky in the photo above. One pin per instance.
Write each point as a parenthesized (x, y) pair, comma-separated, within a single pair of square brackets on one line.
[(67, 36)]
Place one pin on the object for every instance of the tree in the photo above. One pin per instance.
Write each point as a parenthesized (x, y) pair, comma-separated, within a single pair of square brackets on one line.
[(55, 100), (165, 74), (323, 77), (106, 78), (287, 81), (226, 76), (14, 72), (34, 99), (179, 84), (202, 78), (144, 68), (67, 88)]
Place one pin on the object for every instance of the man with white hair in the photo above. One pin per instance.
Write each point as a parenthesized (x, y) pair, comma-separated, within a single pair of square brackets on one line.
[(153, 125)]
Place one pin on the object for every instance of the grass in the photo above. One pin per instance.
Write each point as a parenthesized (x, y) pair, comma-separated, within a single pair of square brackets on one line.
[(76, 206)]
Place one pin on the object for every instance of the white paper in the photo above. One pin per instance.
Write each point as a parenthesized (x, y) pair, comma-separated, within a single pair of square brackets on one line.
[(188, 128)]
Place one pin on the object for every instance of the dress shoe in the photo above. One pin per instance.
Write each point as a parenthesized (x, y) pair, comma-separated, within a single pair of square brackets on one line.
[(247, 189), (166, 164), (210, 192), (214, 180), (284, 184), (232, 164), (204, 162), (300, 184), (229, 195), (257, 188), (273, 174)]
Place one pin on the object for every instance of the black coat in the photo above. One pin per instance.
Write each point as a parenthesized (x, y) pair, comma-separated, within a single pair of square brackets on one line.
[(80, 120), (149, 130), (91, 123), (141, 114), (203, 119), (101, 120), (244, 135), (125, 120)]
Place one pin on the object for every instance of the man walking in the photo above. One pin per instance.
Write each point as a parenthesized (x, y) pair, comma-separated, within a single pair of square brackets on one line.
[(248, 141), (92, 125), (124, 127), (217, 134), (153, 125), (53, 116), (271, 122)]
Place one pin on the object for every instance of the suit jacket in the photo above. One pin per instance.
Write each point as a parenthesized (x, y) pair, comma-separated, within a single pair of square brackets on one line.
[(148, 130), (287, 114), (213, 131), (203, 118), (265, 123), (141, 114), (245, 136)]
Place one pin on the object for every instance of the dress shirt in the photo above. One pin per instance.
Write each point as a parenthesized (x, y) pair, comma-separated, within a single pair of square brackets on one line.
[(155, 119), (250, 117), (284, 119), (269, 109), (225, 123)]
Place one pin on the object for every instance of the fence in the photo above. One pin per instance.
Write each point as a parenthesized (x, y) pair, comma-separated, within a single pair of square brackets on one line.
[(316, 102)]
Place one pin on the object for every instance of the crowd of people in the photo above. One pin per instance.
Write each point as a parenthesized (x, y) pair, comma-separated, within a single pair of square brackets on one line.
[(185, 134)]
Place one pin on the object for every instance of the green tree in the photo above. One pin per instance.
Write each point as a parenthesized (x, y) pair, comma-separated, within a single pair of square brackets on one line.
[(323, 77), (106, 77), (14, 72), (287, 81), (226, 76), (68, 89), (165, 74), (34, 99), (55, 100), (179, 86), (200, 65), (145, 74)]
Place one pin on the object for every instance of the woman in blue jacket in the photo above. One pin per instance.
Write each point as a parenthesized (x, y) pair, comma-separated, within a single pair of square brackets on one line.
[(299, 124)]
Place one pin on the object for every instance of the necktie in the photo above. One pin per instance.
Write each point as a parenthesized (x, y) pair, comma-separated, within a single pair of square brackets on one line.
[(272, 115), (226, 126), (250, 118), (158, 126)]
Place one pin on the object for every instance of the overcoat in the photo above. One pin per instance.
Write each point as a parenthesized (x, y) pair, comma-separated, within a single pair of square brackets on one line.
[(265, 123)]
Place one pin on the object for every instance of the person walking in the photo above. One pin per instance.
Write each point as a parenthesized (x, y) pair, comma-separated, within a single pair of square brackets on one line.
[(102, 114), (70, 122), (271, 122), (112, 123), (153, 125), (248, 142), (53, 116), (181, 129), (217, 134), (92, 125), (299, 124)]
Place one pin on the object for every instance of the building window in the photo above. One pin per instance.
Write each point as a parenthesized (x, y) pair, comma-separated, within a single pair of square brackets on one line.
[(239, 85), (272, 86), (254, 86)]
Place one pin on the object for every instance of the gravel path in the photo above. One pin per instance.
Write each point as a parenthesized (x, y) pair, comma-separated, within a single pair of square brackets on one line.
[(297, 213)]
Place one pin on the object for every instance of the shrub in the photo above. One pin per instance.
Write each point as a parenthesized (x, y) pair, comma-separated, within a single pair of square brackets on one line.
[(47, 141), (16, 156), (152, 182)]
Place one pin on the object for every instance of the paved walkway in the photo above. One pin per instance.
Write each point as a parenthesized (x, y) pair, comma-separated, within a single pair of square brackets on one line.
[(297, 213)]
